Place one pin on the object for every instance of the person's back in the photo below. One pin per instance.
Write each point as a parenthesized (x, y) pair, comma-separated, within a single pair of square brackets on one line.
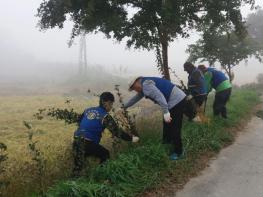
[(91, 126), (196, 83), (219, 81), (164, 85), (93, 122)]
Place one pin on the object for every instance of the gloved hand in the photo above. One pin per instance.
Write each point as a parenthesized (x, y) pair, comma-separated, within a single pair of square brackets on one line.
[(135, 139), (167, 117), (189, 97)]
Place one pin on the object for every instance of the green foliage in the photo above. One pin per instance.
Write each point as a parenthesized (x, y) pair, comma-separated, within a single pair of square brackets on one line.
[(142, 166), (255, 26), (38, 158), (127, 175), (225, 48), (68, 115), (146, 24), (3, 158)]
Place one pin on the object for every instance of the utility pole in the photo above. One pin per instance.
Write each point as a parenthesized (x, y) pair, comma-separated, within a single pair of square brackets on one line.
[(82, 55)]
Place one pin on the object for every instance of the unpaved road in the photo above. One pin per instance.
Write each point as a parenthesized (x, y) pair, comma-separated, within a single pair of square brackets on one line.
[(236, 172)]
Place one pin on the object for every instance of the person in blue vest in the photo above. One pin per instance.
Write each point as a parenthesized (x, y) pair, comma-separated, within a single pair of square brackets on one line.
[(217, 80), (88, 135), (197, 89), (171, 99)]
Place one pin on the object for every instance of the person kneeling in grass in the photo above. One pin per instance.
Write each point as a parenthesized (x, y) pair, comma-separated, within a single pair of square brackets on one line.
[(172, 101), (87, 137), (217, 79)]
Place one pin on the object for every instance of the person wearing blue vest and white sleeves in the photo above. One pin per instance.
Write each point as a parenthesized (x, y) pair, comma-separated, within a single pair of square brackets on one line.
[(88, 135), (171, 99), (217, 80)]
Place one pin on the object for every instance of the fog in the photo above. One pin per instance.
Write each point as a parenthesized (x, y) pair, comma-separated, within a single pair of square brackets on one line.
[(30, 56)]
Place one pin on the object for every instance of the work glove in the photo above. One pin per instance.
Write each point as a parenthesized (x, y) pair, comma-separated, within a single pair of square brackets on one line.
[(135, 139), (167, 117), (189, 97)]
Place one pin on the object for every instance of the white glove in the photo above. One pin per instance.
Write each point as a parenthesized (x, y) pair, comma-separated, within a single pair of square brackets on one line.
[(189, 97), (167, 117), (135, 139), (197, 119)]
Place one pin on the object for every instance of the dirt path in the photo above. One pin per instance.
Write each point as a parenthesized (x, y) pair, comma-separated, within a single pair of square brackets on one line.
[(236, 172)]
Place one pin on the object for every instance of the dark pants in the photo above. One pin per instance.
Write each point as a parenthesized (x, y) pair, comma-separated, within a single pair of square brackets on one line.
[(190, 109), (200, 99), (192, 106), (220, 101), (172, 131), (83, 148)]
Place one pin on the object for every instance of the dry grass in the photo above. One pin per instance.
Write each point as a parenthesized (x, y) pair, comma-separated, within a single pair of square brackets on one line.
[(54, 139)]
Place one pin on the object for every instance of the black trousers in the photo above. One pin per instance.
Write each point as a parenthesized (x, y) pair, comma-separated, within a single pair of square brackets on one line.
[(190, 109), (200, 99), (219, 106), (83, 148), (172, 131)]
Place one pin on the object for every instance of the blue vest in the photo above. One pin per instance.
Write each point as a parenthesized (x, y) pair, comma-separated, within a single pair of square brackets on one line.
[(197, 90), (217, 77), (165, 86), (91, 126)]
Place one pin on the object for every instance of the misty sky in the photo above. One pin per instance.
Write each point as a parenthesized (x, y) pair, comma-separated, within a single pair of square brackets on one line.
[(23, 43)]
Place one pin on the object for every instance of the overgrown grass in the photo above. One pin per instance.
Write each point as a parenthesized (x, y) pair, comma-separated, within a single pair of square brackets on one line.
[(143, 166), (54, 140)]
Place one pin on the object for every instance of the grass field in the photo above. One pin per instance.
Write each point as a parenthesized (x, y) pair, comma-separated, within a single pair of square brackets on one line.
[(134, 170), (54, 139)]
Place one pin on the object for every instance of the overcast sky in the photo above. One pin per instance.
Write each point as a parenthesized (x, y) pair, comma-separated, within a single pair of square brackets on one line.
[(21, 39)]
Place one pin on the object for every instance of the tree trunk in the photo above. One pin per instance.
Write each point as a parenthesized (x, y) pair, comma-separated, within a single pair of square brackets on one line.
[(229, 72), (166, 72)]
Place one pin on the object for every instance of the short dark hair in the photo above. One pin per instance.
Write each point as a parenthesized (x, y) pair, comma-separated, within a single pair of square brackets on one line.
[(106, 96), (188, 64), (202, 67)]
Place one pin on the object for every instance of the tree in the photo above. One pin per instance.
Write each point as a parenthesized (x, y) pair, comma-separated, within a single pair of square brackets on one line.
[(147, 24), (225, 48), (255, 25), (260, 78)]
